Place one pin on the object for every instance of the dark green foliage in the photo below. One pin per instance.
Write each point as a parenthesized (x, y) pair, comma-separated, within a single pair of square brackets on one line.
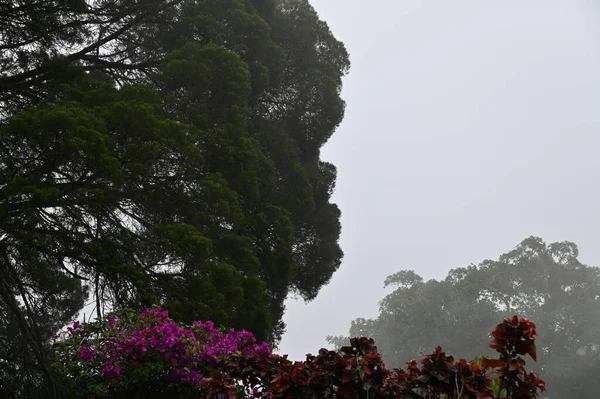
[(545, 283), (163, 152)]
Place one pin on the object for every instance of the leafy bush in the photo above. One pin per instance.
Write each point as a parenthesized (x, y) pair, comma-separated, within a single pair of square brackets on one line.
[(148, 355)]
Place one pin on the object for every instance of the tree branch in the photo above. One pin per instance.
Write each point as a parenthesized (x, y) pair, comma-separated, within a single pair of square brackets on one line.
[(5, 81)]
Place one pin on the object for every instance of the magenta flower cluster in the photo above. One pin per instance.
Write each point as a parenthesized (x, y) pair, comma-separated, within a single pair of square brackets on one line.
[(185, 355)]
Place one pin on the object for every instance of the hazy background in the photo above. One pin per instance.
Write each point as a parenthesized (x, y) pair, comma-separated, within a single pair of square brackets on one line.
[(470, 125)]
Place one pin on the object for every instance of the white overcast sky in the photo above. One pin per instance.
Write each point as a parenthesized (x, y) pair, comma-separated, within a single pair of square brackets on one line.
[(470, 126)]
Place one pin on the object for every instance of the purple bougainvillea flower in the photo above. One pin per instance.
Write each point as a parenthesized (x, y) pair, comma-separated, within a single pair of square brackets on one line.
[(86, 354)]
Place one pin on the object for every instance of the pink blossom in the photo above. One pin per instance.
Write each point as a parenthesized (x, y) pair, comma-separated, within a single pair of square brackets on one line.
[(86, 354), (111, 372), (185, 354)]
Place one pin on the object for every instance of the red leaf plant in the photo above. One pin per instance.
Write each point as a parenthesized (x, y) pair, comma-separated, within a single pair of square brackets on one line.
[(512, 338), (357, 371)]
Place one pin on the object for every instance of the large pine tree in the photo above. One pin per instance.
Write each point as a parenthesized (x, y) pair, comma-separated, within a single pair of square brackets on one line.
[(156, 151)]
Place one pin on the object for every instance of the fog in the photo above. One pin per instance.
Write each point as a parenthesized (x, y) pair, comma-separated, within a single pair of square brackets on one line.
[(469, 126)]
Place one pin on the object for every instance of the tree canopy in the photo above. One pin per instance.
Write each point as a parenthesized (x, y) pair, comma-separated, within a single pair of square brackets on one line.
[(545, 283), (166, 152)]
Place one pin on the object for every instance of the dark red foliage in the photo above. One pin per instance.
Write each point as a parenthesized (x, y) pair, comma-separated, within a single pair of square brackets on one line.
[(515, 337), (441, 374), (357, 371)]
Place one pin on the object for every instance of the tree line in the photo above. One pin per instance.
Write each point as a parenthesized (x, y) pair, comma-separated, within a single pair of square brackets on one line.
[(545, 283)]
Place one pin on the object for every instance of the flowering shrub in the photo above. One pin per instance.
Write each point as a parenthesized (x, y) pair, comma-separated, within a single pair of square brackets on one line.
[(149, 355)]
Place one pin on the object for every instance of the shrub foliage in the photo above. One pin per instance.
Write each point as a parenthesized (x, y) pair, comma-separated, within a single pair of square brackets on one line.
[(149, 355)]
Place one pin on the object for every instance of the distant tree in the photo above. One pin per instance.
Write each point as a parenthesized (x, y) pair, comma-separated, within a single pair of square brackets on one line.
[(545, 283), (162, 152)]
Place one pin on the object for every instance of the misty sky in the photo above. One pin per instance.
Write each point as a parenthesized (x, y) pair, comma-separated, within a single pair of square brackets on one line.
[(470, 126)]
